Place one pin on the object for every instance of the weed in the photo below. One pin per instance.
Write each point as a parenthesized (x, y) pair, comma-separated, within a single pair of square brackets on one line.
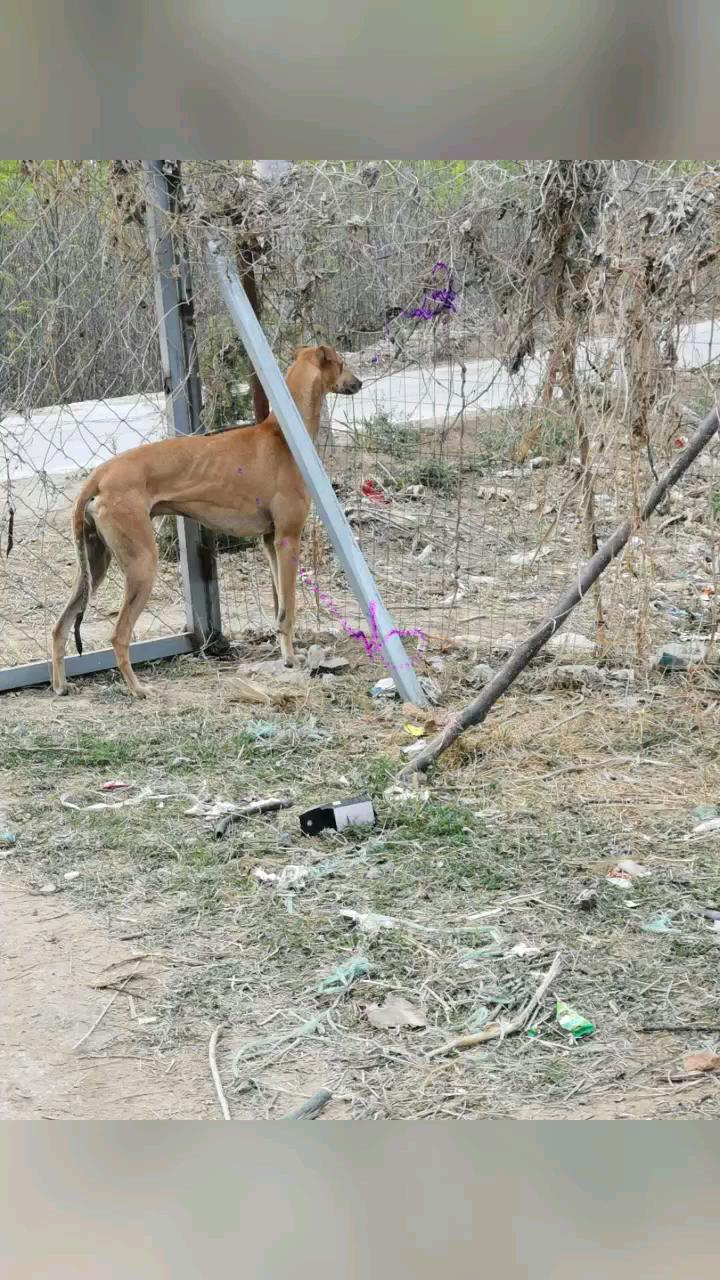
[(385, 435)]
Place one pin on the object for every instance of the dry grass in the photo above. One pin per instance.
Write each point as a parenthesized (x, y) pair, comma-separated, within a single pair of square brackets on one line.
[(528, 813)]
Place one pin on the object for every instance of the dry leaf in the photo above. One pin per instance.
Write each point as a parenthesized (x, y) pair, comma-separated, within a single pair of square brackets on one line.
[(395, 1012), (702, 1062)]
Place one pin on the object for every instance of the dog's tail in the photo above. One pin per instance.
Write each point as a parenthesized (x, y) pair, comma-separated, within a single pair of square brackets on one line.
[(80, 521)]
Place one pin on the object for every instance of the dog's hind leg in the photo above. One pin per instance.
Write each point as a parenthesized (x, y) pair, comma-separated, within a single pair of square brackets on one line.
[(127, 530), (98, 561), (71, 613), (269, 548)]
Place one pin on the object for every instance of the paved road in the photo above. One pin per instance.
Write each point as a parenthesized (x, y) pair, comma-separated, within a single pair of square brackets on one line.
[(61, 439)]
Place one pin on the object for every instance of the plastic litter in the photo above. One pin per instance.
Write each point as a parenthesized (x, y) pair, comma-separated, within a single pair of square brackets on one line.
[(705, 828), (395, 1012), (661, 923), (479, 1019), (704, 812), (356, 812), (415, 730), (575, 1023), (679, 657), (292, 876), (143, 796), (624, 872), (343, 977), (384, 689)]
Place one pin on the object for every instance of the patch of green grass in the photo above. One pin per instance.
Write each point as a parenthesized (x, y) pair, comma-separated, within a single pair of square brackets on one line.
[(435, 474), (557, 436), (82, 751), (386, 435), (380, 775), (557, 1071), (433, 821)]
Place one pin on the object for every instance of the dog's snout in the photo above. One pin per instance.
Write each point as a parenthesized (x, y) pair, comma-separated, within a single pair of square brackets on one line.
[(356, 384)]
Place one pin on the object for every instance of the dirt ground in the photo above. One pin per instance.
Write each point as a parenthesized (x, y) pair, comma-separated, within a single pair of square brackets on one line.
[(464, 893), (49, 959), (456, 903)]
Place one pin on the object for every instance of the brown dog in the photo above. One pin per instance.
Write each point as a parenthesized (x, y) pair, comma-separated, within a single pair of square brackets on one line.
[(241, 482)]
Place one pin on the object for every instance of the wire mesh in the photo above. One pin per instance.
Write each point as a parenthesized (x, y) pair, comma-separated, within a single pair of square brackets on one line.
[(535, 340), (80, 381)]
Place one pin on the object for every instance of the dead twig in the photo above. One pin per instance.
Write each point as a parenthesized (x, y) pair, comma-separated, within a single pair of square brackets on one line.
[(256, 806), (682, 1027), (109, 1004), (311, 1109), (216, 1074), (501, 1030)]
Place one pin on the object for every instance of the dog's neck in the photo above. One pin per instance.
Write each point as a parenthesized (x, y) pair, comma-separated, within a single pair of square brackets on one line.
[(305, 387)]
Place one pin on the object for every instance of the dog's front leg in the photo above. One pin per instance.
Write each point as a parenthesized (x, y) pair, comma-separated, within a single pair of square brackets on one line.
[(287, 550)]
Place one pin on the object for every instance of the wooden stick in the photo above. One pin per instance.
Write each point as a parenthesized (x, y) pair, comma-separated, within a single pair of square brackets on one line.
[(500, 1030), (311, 1109), (216, 1074), (476, 711), (256, 806)]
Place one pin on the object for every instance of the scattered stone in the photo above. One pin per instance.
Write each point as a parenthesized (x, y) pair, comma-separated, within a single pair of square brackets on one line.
[(621, 675), (332, 666), (505, 643), (578, 676), (481, 675), (522, 559), (431, 689), (490, 491), (587, 900), (570, 642), (314, 657)]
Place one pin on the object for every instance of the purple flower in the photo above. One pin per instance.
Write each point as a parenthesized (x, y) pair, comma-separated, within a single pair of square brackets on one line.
[(439, 266)]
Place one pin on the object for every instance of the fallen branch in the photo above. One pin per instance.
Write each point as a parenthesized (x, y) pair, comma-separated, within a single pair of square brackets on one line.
[(476, 711), (256, 806), (501, 1030), (216, 1074), (311, 1109)]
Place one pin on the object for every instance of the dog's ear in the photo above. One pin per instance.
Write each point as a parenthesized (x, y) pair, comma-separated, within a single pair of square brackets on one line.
[(326, 355)]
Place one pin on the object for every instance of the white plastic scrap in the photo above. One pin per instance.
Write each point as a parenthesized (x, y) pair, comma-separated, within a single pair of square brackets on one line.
[(291, 877)]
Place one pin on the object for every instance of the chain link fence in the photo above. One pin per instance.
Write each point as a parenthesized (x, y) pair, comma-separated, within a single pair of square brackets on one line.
[(535, 341), (80, 380)]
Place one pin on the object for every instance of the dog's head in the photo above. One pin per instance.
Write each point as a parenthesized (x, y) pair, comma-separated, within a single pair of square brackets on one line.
[(337, 378)]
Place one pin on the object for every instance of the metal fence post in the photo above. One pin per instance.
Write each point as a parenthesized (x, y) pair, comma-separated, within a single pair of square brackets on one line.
[(312, 471), (181, 376)]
